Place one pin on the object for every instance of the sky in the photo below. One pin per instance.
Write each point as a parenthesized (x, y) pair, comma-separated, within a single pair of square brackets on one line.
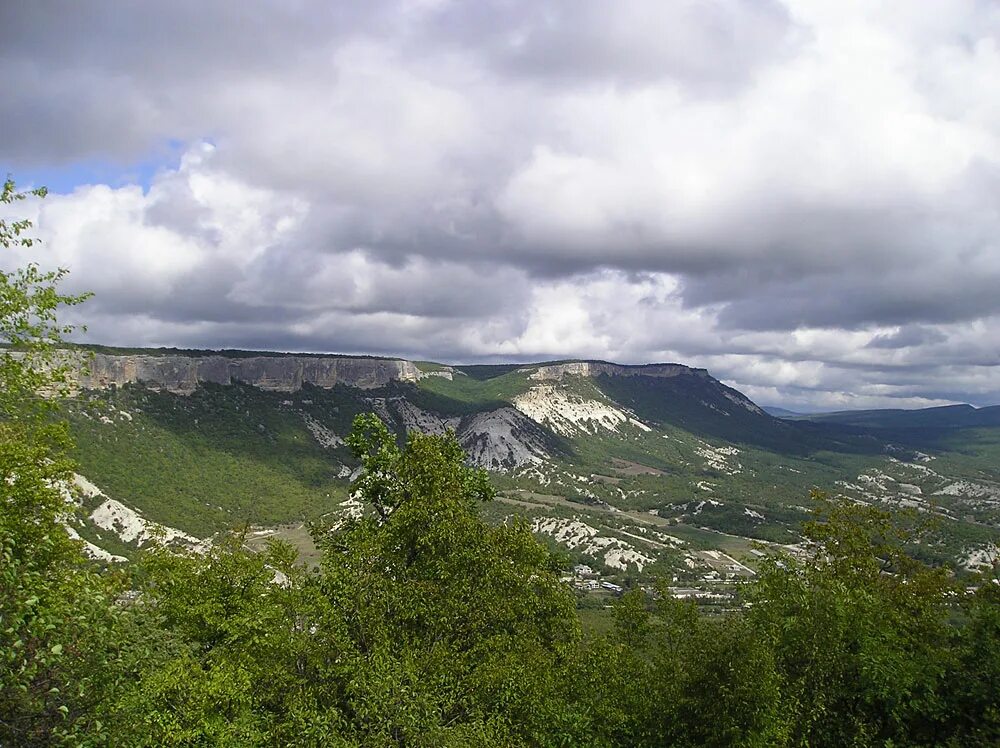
[(801, 196)]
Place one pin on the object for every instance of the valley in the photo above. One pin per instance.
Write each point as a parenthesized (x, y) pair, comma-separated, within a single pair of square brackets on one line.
[(632, 472)]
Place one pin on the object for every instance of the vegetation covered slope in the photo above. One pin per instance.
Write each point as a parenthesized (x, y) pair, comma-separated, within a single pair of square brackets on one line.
[(629, 473)]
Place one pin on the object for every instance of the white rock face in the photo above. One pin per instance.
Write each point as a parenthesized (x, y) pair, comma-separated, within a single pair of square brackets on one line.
[(620, 558), (285, 373), (132, 527), (446, 373), (922, 469), (876, 480), (742, 401), (596, 368), (981, 558), (575, 534), (126, 523), (498, 440), (324, 436), (569, 414), (351, 509), (417, 419), (701, 505), (502, 439), (718, 458), (85, 487), (969, 489)]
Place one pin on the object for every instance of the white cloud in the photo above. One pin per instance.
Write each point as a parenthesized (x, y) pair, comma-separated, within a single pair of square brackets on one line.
[(799, 195)]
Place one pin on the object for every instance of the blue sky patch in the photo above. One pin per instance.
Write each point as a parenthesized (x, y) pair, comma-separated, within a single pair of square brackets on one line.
[(64, 179)]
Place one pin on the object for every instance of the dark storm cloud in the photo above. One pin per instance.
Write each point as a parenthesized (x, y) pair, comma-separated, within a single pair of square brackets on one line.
[(800, 195), (908, 337), (111, 79), (705, 46)]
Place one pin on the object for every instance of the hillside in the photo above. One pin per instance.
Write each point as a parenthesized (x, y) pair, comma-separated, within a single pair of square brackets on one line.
[(631, 470)]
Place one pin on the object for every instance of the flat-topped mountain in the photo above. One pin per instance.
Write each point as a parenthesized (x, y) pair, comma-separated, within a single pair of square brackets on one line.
[(596, 368), (181, 372), (288, 373)]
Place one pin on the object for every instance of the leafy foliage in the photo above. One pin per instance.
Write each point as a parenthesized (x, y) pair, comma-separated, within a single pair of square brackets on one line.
[(423, 626), (856, 631), (55, 610)]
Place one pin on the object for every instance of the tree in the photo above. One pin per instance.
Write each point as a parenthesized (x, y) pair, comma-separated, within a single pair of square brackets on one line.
[(458, 630), (972, 712), (218, 653), (54, 609), (670, 675), (859, 632), (423, 626), (32, 376)]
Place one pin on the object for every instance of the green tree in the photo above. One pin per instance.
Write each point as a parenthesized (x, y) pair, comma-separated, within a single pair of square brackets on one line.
[(670, 675), (859, 632), (458, 630), (852, 643), (423, 626), (971, 714), (55, 612), (220, 651)]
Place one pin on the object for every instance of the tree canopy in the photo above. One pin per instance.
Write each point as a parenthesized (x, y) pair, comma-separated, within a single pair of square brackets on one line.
[(55, 608)]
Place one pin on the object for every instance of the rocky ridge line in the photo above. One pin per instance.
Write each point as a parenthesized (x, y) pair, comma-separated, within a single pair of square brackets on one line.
[(181, 375), (596, 368)]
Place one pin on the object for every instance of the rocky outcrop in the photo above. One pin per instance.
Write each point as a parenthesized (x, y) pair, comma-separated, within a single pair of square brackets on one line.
[(182, 374), (570, 414), (502, 439), (596, 368)]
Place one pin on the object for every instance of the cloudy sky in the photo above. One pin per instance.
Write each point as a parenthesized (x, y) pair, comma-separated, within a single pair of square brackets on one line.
[(801, 196)]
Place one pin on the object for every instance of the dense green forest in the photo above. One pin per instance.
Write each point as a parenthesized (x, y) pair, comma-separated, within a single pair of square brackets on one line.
[(424, 625)]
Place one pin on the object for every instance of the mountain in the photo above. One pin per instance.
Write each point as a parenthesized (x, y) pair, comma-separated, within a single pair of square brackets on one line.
[(182, 374), (632, 470), (947, 416), (774, 410)]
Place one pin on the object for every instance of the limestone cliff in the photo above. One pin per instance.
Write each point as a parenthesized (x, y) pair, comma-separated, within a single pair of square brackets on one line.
[(596, 368), (182, 374)]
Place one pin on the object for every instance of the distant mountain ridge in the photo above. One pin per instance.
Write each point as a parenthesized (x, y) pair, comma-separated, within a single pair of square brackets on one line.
[(485, 404), (774, 410), (183, 374), (180, 371), (944, 416)]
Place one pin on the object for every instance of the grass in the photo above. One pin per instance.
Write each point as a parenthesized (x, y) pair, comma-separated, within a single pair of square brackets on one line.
[(297, 536)]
